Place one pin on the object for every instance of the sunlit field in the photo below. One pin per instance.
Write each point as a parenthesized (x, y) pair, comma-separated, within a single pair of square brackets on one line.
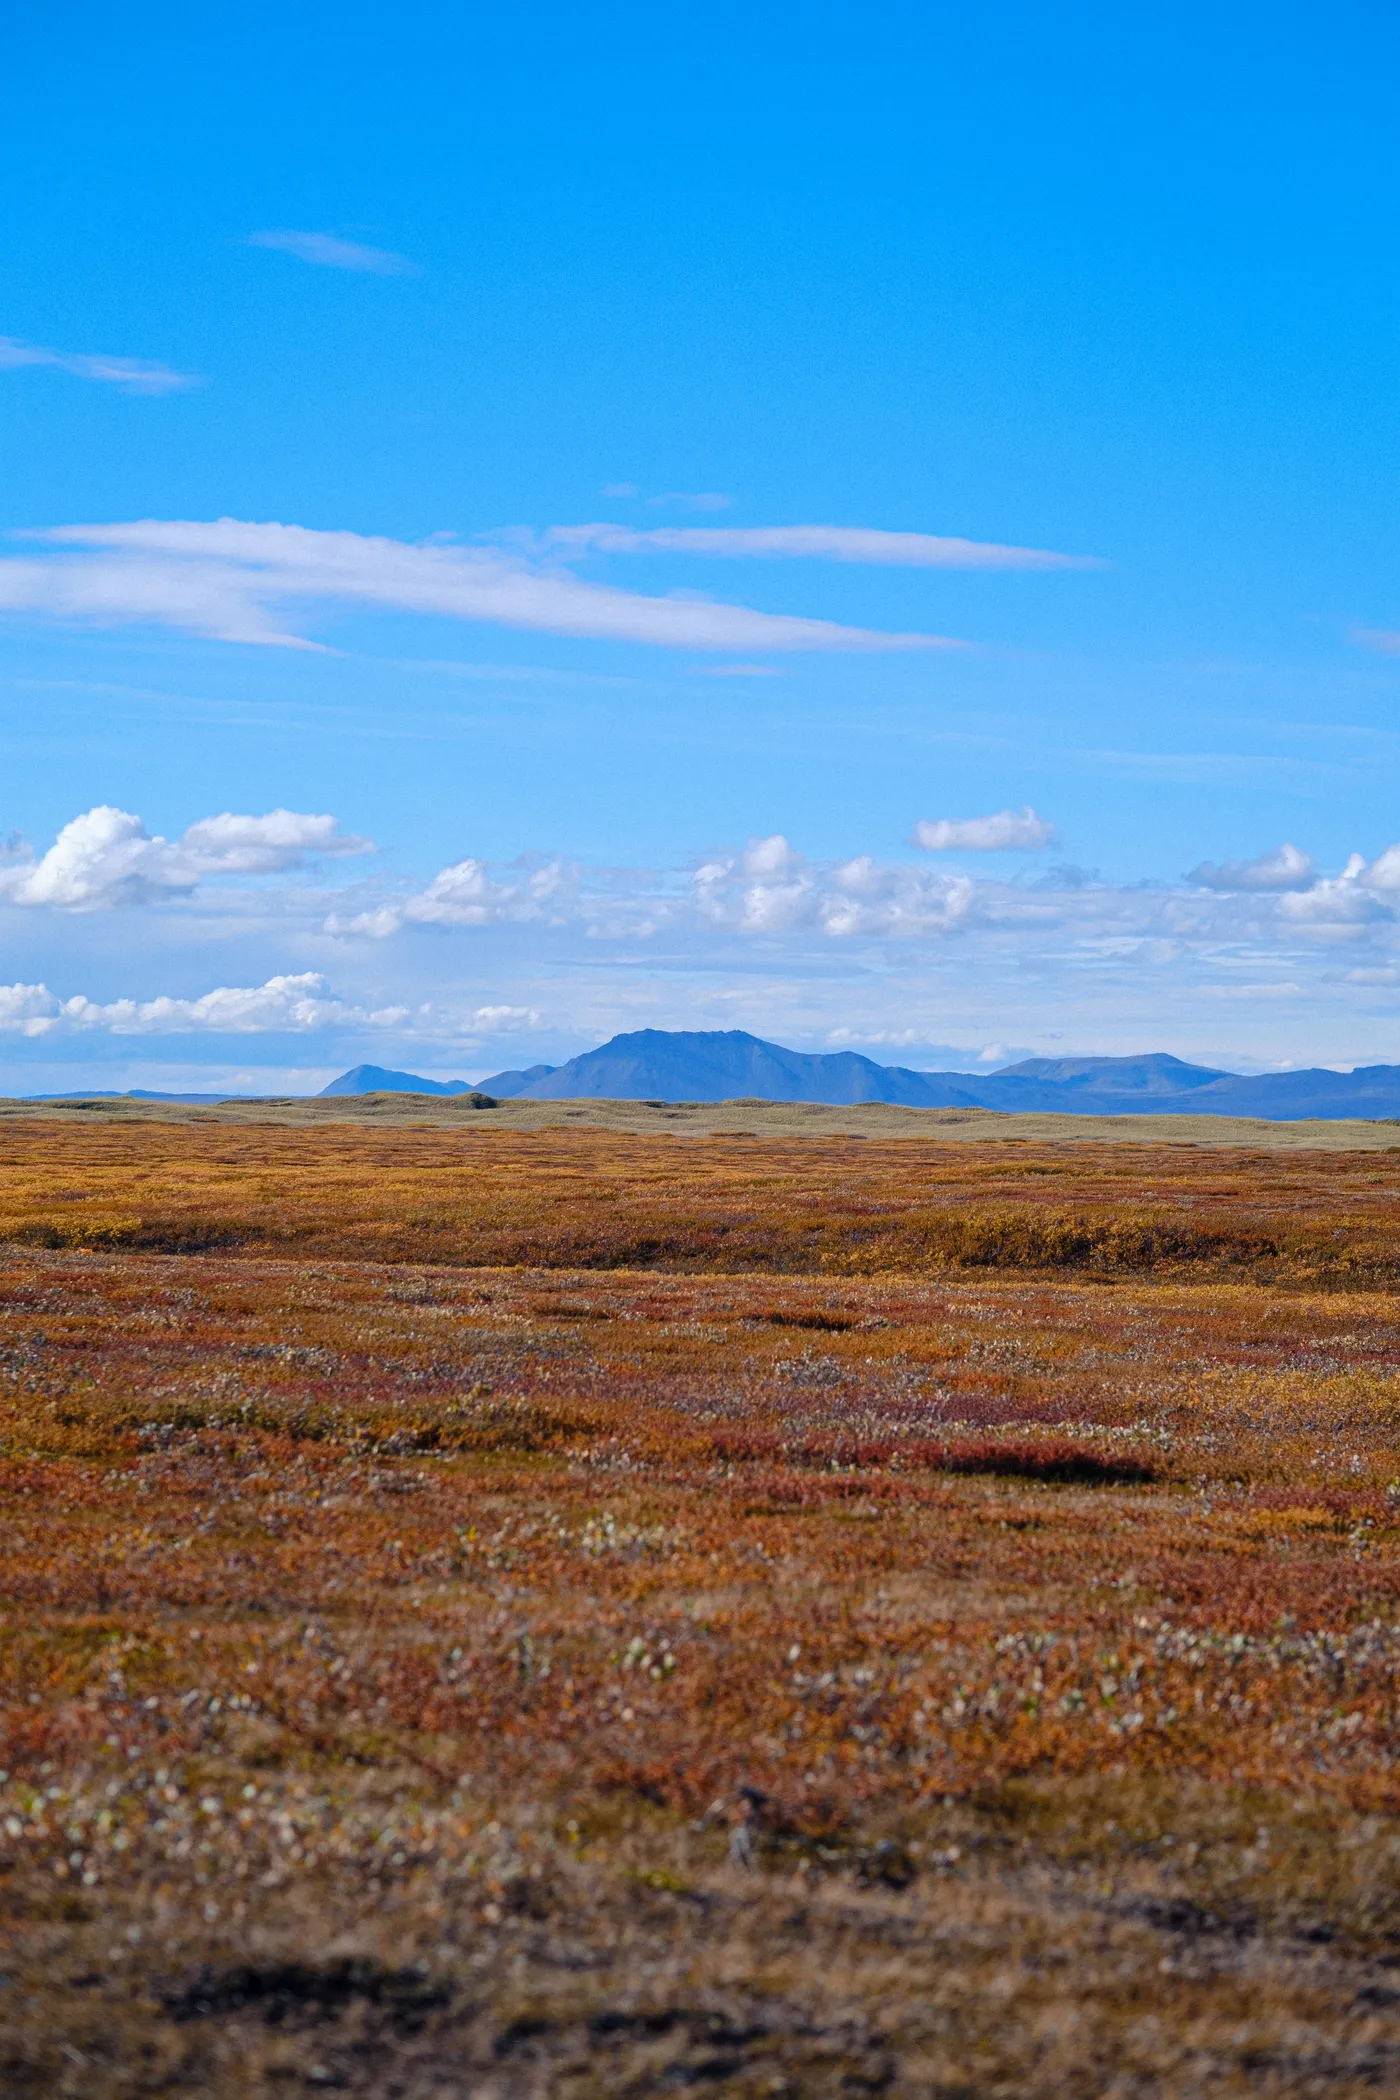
[(494, 1610)]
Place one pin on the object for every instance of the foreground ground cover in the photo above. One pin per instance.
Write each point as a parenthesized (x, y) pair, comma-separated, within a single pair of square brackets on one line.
[(566, 1613)]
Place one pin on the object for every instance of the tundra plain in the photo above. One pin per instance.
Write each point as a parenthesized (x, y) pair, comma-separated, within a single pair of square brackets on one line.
[(515, 1603)]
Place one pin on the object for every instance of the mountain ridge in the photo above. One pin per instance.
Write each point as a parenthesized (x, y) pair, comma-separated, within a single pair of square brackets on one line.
[(725, 1065)]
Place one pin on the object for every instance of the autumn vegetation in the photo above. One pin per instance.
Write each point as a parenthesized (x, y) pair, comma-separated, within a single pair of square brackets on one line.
[(510, 1611)]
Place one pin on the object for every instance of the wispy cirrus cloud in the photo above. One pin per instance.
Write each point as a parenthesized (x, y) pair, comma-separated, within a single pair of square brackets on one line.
[(842, 543), (237, 581), (672, 499), (1010, 830), (134, 375), (684, 499), (327, 251), (106, 857), (739, 671)]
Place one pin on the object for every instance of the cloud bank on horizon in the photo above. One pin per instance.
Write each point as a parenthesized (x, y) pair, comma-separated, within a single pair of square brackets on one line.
[(235, 581), (1275, 930), (282, 1005)]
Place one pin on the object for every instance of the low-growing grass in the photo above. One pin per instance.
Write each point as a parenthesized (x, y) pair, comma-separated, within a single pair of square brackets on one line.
[(435, 1664)]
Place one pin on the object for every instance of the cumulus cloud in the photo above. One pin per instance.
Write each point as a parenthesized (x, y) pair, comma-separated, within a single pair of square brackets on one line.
[(296, 1004), (771, 890), (1359, 892), (504, 1020), (1336, 907), (881, 1038), (768, 887), (28, 1009), (1384, 871), (133, 375), (329, 252), (787, 932), (284, 838), (1286, 868), (466, 894), (850, 543), (106, 857), (234, 581), (1009, 830)]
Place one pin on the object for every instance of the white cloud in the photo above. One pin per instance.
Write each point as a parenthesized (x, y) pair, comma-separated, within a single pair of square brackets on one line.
[(849, 543), (1337, 907), (329, 252), (133, 375), (1384, 871), (466, 894), (504, 1020), (771, 891), (1008, 830), (769, 858), (872, 951), (266, 845), (881, 1038), (768, 888), (877, 954), (233, 581), (27, 1009), (100, 859), (1286, 868), (1358, 894), (106, 857), (295, 1004)]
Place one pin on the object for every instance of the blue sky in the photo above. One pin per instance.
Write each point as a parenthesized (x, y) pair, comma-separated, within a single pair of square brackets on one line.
[(434, 289)]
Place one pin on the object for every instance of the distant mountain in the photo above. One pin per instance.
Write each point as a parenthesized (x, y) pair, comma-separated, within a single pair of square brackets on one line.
[(664, 1065), (507, 1086), (654, 1064), (1154, 1074), (374, 1079)]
